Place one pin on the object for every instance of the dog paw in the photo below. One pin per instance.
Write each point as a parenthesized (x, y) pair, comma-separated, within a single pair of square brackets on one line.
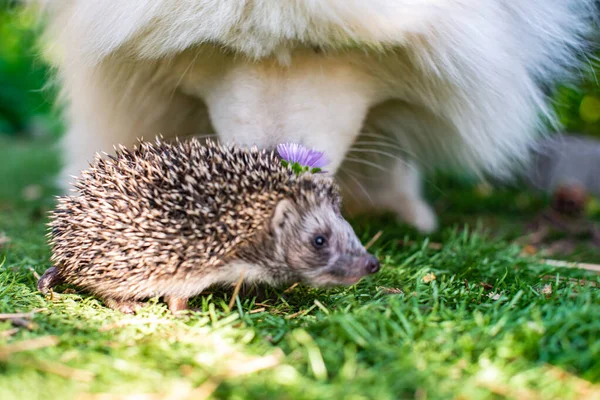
[(418, 214)]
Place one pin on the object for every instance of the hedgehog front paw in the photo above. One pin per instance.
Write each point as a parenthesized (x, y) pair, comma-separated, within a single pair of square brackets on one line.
[(124, 306), (50, 279)]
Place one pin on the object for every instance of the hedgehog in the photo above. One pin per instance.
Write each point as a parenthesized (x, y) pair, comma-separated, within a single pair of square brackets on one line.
[(170, 219)]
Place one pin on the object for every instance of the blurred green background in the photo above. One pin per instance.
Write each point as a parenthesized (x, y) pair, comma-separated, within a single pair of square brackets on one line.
[(26, 100)]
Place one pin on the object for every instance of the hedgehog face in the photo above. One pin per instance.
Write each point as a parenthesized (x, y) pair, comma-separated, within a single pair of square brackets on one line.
[(319, 245)]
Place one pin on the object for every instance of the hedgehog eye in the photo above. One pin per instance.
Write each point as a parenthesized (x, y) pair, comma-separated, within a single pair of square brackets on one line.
[(319, 241)]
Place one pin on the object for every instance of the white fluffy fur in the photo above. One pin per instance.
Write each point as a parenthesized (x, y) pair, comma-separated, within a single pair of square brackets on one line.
[(451, 82)]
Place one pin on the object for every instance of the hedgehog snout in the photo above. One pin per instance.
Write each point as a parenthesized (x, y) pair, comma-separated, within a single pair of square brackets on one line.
[(358, 266), (370, 264)]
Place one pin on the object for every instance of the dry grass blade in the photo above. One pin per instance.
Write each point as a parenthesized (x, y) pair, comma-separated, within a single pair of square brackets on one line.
[(373, 240), (60, 370), (430, 245), (580, 282), (257, 310), (34, 272), (4, 317), (26, 345), (254, 365), (264, 305), (8, 332), (236, 291), (302, 312), (566, 264), (291, 288), (205, 390)]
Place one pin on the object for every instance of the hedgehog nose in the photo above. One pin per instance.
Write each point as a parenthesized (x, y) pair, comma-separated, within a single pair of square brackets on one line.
[(372, 264)]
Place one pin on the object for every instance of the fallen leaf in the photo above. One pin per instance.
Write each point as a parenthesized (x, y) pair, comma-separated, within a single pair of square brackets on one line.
[(494, 296), (429, 277), (529, 250), (388, 290), (547, 289)]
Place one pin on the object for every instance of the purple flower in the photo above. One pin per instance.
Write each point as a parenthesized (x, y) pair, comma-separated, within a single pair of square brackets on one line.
[(295, 153)]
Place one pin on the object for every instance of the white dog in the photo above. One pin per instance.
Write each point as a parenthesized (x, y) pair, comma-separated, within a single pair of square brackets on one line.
[(386, 87)]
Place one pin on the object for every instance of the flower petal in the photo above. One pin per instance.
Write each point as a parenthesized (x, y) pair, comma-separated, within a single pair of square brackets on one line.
[(292, 153)]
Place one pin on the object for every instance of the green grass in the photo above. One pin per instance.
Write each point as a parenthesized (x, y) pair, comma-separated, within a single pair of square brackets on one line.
[(482, 329)]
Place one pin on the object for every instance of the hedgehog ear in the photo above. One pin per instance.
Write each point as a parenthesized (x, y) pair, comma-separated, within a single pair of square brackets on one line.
[(285, 213), (337, 206)]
